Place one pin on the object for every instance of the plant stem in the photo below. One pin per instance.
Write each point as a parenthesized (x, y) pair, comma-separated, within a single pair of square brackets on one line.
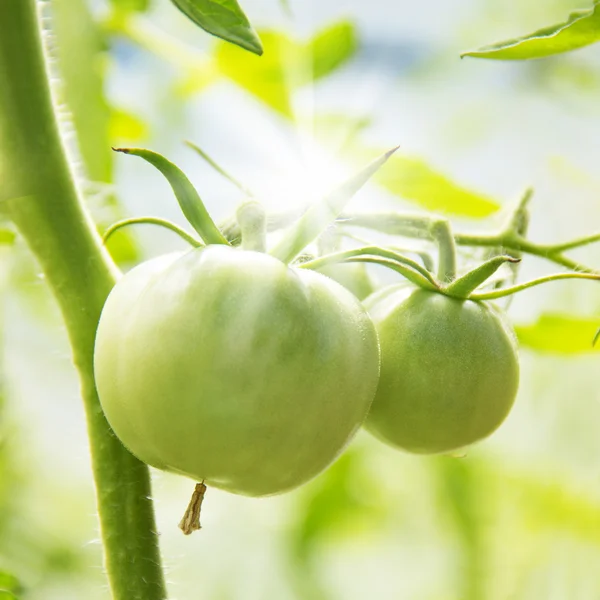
[(419, 226), (252, 220), (442, 232), (48, 212)]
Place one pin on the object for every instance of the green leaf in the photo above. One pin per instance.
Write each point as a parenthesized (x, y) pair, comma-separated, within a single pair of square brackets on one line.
[(581, 29), (561, 334), (264, 78), (224, 19), (9, 586), (126, 127), (287, 64), (191, 205), (131, 5), (7, 237), (321, 214), (414, 180), (331, 48)]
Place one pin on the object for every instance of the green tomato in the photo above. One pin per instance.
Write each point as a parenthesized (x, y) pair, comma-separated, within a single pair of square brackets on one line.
[(230, 367), (449, 370)]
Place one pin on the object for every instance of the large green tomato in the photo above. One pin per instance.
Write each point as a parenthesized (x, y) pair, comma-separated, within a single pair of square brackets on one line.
[(230, 367), (449, 370)]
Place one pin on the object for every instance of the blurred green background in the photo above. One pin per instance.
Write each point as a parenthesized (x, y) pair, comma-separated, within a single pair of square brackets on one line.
[(518, 516)]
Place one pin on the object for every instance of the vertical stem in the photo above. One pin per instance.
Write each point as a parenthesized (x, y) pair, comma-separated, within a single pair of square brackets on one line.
[(252, 219), (442, 232), (46, 207)]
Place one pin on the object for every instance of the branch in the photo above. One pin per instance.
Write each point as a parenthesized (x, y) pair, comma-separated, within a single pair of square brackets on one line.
[(48, 212)]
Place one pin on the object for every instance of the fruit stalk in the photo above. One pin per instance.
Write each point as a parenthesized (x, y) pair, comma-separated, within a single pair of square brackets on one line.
[(43, 201)]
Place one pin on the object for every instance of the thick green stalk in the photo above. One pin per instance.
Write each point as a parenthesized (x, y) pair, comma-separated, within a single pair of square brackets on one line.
[(48, 212)]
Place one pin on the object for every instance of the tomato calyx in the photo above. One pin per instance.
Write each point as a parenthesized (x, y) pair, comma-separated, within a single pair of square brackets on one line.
[(251, 225), (250, 217)]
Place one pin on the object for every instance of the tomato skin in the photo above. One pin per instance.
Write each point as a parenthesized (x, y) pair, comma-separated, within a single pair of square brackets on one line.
[(230, 367), (449, 370)]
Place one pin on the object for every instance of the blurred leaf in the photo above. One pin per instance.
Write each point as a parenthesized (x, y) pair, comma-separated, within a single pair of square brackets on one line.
[(264, 78), (331, 48), (414, 180), (560, 334), (7, 236), (126, 127), (463, 498), (555, 505), (287, 64), (581, 29), (131, 5), (224, 19), (339, 502), (9, 586)]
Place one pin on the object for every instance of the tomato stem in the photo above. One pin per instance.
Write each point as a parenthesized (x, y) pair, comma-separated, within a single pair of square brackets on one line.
[(252, 220), (441, 230), (45, 205), (419, 227)]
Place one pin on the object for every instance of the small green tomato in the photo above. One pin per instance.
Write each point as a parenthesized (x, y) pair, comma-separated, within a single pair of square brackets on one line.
[(228, 366), (449, 370)]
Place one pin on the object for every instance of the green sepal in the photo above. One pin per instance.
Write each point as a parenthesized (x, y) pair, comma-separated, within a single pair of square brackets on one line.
[(190, 202), (503, 292), (190, 239), (468, 283), (373, 251), (406, 272), (321, 214)]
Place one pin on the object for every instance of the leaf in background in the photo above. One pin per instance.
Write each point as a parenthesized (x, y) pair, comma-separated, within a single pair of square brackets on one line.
[(126, 127), (414, 180), (6, 236), (263, 77), (131, 5), (224, 19), (559, 334), (331, 48), (581, 29), (9, 586), (288, 64)]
